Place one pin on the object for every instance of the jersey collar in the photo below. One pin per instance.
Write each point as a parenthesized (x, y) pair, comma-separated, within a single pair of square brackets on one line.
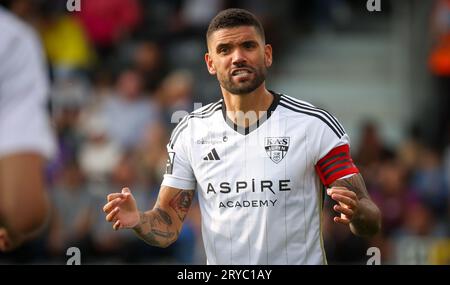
[(259, 122)]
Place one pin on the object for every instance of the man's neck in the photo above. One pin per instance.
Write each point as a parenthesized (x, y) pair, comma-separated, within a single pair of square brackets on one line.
[(252, 105)]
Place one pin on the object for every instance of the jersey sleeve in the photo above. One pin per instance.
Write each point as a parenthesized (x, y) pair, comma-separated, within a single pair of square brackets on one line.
[(179, 173), (332, 153)]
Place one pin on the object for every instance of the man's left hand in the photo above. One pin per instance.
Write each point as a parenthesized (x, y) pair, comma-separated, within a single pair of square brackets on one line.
[(347, 204)]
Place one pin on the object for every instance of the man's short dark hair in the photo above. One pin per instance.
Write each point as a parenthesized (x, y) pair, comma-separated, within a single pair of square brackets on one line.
[(232, 18)]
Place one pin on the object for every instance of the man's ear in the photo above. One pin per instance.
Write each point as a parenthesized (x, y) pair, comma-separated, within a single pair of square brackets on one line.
[(210, 64), (268, 55)]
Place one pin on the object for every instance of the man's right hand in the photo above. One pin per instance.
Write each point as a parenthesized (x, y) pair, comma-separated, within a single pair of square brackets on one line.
[(159, 226), (122, 210)]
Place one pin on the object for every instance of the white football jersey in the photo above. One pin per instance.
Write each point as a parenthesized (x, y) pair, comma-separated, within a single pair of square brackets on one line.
[(259, 192), (24, 90)]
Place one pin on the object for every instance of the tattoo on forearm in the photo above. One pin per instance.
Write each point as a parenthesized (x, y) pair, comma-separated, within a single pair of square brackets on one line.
[(157, 227), (181, 203), (154, 228), (163, 234), (143, 219), (164, 217)]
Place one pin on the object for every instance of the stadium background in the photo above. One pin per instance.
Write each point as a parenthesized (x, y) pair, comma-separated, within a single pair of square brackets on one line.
[(120, 70)]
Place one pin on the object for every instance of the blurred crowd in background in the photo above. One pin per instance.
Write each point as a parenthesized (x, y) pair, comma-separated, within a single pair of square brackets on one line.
[(124, 72)]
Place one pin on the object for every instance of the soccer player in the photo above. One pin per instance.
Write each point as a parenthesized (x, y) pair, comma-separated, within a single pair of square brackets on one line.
[(258, 161), (25, 134)]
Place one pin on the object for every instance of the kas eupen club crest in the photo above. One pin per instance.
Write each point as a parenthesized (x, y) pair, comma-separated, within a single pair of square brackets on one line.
[(276, 147)]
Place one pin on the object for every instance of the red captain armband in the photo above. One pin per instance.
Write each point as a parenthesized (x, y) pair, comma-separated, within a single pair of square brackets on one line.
[(336, 164)]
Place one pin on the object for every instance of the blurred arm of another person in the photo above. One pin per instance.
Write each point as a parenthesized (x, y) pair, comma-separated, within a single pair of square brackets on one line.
[(26, 138)]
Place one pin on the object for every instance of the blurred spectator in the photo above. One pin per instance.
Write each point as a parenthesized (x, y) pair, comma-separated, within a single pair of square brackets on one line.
[(69, 93), (371, 152), (392, 195), (102, 84), (175, 95), (409, 151), (430, 183), (66, 44), (420, 221), (332, 14), (98, 154), (415, 239), (439, 65), (149, 61), (371, 148), (160, 19), (440, 31), (72, 212), (446, 163), (24, 9), (108, 22), (196, 14), (68, 97), (128, 114), (152, 154)]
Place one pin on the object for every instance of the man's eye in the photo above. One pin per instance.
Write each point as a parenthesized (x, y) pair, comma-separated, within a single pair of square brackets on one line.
[(249, 45), (223, 50)]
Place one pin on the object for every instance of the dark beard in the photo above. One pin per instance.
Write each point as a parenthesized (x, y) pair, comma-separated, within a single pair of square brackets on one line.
[(245, 87)]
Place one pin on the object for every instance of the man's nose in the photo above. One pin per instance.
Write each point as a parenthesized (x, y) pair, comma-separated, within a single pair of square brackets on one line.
[(238, 57)]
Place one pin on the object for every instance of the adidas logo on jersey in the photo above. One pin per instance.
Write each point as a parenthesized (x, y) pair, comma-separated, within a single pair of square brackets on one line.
[(212, 155)]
